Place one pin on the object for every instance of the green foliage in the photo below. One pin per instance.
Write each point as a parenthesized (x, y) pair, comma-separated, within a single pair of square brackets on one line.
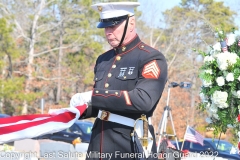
[(7, 44), (13, 89)]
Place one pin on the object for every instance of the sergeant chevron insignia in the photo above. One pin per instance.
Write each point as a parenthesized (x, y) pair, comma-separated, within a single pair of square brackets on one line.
[(151, 70)]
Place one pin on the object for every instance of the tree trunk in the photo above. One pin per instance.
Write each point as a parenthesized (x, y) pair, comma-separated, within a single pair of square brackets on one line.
[(31, 55), (60, 55)]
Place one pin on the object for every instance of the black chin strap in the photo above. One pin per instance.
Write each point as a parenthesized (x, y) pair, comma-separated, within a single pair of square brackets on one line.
[(124, 32)]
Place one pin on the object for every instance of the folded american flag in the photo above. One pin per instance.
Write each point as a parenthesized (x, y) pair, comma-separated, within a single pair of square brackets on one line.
[(30, 126)]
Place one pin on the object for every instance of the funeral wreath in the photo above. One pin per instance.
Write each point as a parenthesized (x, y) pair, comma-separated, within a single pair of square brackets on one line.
[(220, 91)]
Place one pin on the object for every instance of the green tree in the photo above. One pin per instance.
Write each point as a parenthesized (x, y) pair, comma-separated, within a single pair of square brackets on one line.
[(11, 85)]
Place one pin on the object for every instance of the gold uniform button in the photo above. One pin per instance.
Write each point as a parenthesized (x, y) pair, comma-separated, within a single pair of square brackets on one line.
[(109, 74), (114, 66), (142, 46), (106, 91), (116, 93), (118, 58), (124, 77), (106, 85), (96, 91), (123, 48)]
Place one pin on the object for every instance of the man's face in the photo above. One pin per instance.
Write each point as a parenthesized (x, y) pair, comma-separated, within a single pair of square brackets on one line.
[(114, 34)]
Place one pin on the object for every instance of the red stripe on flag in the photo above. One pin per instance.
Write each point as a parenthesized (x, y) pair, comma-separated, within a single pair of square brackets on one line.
[(81, 108), (62, 117)]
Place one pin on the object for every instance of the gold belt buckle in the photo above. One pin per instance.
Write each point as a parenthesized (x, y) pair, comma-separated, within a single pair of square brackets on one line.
[(105, 115)]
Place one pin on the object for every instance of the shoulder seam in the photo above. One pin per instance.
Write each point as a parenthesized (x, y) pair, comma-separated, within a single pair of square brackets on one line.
[(142, 48)]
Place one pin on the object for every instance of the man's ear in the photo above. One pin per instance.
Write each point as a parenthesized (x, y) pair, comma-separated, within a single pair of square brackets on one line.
[(132, 24)]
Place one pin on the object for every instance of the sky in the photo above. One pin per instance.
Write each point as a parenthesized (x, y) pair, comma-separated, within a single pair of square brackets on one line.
[(171, 3), (153, 8), (158, 6), (164, 4)]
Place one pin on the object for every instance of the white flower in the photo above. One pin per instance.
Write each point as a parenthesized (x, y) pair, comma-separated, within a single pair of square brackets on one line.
[(207, 83), (223, 105), (208, 59), (230, 77), (236, 93), (239, 78), (208, 71), (219, 98), (230, 39), (220, 81), (226, 59), (222, 62), (217, 47), (232, 58)]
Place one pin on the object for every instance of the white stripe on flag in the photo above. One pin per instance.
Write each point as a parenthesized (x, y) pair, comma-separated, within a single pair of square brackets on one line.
[(23, 121), (23, 129)]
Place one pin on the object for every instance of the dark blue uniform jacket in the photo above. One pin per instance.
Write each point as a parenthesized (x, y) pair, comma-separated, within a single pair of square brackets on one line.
[(129, 81)]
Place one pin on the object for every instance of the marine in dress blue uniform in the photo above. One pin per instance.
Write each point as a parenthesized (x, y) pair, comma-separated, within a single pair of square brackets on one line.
[(129, 81)]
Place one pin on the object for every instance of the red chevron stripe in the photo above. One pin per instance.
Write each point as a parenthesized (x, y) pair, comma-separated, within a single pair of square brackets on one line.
[(151, 70)]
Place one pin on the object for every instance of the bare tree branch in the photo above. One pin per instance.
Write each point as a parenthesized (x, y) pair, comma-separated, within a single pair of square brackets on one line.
[(50, 28), (19, 28), (54, 49)]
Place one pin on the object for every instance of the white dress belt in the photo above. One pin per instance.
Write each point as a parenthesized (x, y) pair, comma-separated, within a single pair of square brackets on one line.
[(108, 116)]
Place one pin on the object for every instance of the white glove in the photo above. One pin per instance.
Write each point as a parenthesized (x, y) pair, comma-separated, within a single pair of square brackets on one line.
[(79, 99)]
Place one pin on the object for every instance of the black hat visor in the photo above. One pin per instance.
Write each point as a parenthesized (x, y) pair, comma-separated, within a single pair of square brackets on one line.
[(111, 21)]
